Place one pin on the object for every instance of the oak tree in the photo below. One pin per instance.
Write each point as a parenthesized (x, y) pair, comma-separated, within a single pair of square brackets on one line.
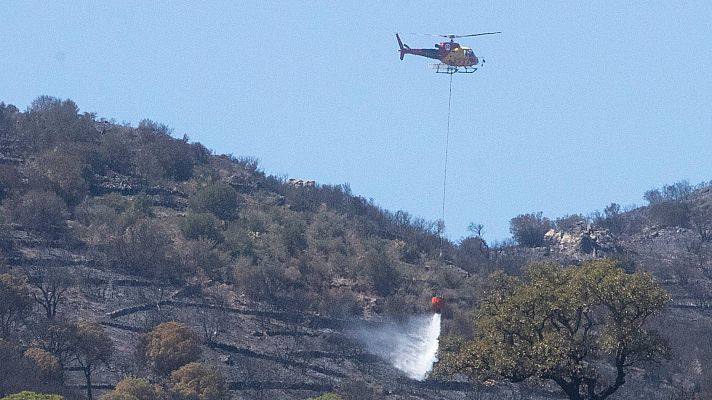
[(529, 229), (135, 389), (56, 337), (196, 381), (581, 327), (15, 303), (45, 363), (50, 285), (218, 198), (92, 348), (169, 346)]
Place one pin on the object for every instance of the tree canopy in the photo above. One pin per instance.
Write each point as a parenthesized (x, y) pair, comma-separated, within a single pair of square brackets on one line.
[(195, 381), (568, 325), (218, 198), (15, 303), (169, 346), (135, 389), (92, 347)]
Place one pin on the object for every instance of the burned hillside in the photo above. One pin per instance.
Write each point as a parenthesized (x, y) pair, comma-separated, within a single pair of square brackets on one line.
[(115, 237)]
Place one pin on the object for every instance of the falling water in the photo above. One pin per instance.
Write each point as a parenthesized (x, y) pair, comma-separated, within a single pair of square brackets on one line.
[(411, 346)]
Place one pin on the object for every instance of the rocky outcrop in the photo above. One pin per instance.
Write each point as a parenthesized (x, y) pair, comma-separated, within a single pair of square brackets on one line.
[(301, 183), (581, 241), (242, 182), (113, 182)]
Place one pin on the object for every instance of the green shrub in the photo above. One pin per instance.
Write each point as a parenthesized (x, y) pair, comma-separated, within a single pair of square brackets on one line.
[(294, 234), (381, 270), (195, 381), (201, 255), (135, 389), (117, 396), (15, 303), (145, 249), (115, 152), (529, 229), (40, 211), (161, 155), (68, 172), (46, 364), (218, 198), (10, 180), (201, 225), (32, 396), (170, 345), (51, 121)]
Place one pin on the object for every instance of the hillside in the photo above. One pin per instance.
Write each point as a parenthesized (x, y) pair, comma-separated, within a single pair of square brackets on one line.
[(130, 228)]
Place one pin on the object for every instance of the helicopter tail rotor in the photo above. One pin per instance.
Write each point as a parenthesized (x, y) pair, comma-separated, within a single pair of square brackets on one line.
[(402, 47)]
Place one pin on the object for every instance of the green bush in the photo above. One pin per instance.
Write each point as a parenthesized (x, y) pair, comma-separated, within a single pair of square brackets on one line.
[(293, 234), (175, 157), (115, 152), (67, 171), (169, 346), (145, 249), (117, 396), (381, 270), (218, 198), (529, 229), (32, 396), (201, 225), (202, 255), (135, 389), (472, 254), (195, 381), (46, 364), (51, 121), (18, 373), (40, 211), (8, 120), (15, 303), (160, 154), (10, 180)]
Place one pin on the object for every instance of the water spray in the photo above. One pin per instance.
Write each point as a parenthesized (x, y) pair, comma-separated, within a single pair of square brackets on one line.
[(411, 346)]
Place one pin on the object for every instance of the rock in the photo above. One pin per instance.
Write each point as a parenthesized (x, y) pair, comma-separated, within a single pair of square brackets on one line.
[(226, 359), (581, 240), (114, 182)]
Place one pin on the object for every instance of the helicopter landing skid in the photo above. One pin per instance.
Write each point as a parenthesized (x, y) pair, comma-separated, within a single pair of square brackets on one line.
[(451, 69)]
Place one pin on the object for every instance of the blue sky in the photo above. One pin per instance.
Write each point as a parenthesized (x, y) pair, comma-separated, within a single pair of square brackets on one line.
[(580, 103)]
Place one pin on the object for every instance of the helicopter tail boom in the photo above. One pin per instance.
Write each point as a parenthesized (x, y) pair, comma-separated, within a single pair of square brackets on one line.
[(405, 49)]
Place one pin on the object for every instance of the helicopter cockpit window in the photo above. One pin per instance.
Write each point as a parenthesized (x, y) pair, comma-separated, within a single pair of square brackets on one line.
[(469, 52)]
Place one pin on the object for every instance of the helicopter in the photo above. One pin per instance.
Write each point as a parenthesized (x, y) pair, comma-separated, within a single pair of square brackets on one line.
[(453, 57)]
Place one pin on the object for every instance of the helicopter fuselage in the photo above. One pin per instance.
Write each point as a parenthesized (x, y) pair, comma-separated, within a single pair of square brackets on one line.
[(449, 53)]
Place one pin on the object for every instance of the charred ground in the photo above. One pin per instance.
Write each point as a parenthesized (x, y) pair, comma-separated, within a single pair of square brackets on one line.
[(130, 227)]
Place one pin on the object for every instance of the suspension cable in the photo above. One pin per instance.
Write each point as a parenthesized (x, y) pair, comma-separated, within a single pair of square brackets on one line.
[(447, 142)]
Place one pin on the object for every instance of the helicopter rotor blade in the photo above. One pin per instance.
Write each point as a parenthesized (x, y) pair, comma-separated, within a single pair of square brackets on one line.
[(474, 34), (430, 34), (451, 36)]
